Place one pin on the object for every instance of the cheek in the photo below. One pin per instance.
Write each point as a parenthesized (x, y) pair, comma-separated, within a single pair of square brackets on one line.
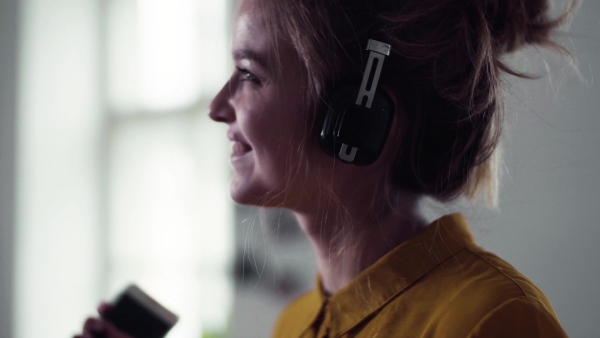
[(277, 128), (278, 147), (280, 128)]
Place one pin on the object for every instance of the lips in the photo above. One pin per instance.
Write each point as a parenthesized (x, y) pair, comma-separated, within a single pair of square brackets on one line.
[(239, 148)]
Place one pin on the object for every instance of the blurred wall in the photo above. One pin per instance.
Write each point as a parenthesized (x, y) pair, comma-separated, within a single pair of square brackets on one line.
[(8, 85), (548, 222)]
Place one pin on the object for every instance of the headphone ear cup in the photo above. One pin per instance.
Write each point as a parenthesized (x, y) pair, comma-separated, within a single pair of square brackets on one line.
[(355, 134)]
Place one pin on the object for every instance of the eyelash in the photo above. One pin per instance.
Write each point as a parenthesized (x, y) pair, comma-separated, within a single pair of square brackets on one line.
[(247, 76)]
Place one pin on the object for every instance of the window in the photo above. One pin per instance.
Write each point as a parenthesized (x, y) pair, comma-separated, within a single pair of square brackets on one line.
[(169, 215)]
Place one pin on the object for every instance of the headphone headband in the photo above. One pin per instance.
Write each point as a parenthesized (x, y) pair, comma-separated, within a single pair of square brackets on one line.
[(379, 51)]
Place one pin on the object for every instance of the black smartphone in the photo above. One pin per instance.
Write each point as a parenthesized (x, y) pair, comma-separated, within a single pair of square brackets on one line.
[(140, 316)]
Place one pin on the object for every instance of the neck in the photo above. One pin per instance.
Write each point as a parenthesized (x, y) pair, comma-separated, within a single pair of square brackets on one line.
[(348, 240)]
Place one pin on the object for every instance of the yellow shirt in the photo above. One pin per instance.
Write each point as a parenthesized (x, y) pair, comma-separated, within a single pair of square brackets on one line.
[(436, 284)]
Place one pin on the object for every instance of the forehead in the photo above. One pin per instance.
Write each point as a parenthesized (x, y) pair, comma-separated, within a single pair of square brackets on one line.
[(255, 40), (250, 32)]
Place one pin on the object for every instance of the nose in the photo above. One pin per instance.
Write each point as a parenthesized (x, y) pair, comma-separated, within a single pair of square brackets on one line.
[(220, 108)]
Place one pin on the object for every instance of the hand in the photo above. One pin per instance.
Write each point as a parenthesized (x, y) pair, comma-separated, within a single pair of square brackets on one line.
[(99, 327)]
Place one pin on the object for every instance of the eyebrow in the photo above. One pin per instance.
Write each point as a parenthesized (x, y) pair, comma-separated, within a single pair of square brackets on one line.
[(244, 54)]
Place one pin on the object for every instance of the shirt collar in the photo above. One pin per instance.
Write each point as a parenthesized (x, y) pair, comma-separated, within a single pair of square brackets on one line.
[(392, 273)]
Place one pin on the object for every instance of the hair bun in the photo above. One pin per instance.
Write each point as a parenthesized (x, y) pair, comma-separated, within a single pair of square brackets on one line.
[(515, 23)]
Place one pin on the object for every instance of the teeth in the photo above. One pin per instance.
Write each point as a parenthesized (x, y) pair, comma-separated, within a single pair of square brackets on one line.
[(240, 148)]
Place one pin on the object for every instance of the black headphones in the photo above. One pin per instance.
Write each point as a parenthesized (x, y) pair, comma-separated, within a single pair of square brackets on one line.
[(358, 119)]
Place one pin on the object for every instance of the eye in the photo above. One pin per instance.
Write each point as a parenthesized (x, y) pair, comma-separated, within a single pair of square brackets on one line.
[(247, 75)]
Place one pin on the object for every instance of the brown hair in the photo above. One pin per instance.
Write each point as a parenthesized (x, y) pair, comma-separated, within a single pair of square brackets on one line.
[(446, 68)]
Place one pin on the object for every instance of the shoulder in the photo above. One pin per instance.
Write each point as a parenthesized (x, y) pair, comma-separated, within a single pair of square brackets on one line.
[(499, 278), (519, 317), (515, 306), (491, 298), (473, 293)]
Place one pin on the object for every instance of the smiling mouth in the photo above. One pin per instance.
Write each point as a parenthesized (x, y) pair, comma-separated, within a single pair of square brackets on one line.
[(239, 148)]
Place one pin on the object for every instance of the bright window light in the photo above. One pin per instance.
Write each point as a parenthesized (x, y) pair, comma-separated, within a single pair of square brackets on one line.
[(165, 55), (171, 219), (169, 52), (170, 222)]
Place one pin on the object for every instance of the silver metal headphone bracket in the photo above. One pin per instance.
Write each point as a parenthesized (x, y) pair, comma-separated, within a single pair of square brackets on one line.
[(379, 51)]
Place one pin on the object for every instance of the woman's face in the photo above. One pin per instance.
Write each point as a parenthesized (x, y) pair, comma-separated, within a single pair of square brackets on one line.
[(267, 117)]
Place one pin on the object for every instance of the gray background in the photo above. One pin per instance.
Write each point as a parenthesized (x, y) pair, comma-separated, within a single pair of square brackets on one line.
[(8, 88)]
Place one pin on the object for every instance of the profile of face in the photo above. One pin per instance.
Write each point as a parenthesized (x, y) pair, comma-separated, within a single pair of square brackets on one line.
[(267, 117)]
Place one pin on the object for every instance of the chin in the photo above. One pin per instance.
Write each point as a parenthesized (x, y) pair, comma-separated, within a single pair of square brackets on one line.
[(260, 196), (247, 194)]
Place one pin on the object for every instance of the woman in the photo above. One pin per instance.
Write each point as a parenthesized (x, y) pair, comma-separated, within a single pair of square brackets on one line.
[(384, 269)]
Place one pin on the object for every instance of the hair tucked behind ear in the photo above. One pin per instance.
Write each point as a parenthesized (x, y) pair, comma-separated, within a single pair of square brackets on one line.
[(446, 68)]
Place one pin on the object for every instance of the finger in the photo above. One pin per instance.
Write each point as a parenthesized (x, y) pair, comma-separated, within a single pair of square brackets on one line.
[(86, 323), (104, 308), (94, 325)]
